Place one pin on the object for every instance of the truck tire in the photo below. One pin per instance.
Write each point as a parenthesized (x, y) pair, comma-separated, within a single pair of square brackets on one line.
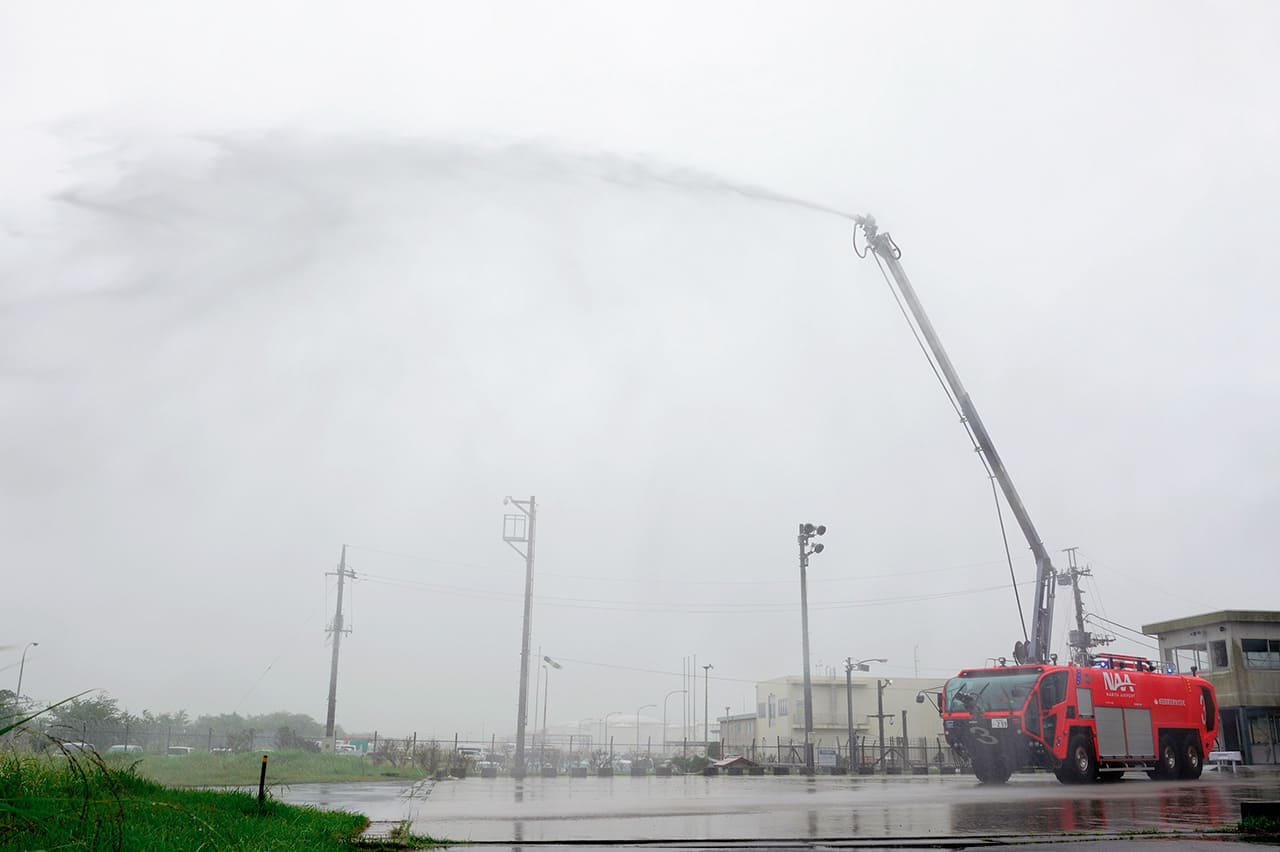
[(1192, 758), (992, 770), (1168, 761), (1081, 765)]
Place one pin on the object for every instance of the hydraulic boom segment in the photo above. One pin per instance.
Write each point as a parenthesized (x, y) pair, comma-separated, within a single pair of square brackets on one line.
[(1036, 648)]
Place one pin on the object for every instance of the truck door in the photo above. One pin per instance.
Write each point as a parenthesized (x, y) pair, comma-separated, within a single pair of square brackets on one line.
[(1209, 708), (1053, 692)]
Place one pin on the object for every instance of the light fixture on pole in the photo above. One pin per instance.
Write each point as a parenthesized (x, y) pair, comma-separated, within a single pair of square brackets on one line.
[(664, 714), (807, 532), (638, 709), (706, 718), (849, 667), (17, 696), (608, 741), (546, 661)]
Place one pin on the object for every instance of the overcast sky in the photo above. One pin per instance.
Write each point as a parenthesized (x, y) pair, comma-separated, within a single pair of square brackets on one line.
[(276, 277)]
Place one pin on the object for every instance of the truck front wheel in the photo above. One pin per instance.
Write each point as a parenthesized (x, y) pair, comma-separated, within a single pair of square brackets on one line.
[(1167, 765), (992, 769), (1081, 765)]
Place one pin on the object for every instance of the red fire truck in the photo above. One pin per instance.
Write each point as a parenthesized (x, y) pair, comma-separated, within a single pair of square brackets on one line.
[(1086, 723)]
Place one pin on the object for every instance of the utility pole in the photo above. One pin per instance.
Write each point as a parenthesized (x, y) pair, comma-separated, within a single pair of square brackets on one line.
[(807, 531), (337, 629), (706, 692), (850, 666), (1079, 640), (906, 741), (693, 700), (880, 715), (518, 530), (848, 688)]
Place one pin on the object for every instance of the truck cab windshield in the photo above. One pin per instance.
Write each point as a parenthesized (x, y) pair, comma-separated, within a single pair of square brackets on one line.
[(991, 693)]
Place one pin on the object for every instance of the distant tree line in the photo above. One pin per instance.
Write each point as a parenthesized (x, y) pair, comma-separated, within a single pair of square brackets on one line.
[(99, 718)]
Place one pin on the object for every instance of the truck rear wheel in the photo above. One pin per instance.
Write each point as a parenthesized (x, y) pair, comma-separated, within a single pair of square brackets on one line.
[(1192, 758), (1081, 765)]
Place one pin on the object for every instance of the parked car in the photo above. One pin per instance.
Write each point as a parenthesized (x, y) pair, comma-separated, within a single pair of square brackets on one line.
[(83, 748), (124, 749), (179, 751)]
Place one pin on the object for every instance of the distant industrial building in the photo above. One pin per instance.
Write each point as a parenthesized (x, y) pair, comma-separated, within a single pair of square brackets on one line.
[(775, 731), (1238, 651)]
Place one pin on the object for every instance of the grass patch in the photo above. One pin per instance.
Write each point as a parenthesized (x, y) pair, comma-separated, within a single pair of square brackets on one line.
[(283, 767), (1259, 825), (54, 803)]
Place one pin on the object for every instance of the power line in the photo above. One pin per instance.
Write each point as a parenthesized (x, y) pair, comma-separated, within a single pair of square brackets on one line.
[(664, 606), (1095, 617), (850, 578), (642, 670)]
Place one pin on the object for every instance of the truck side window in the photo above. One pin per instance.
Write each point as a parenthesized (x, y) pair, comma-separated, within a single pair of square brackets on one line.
[(1053, 690), (1084, 698)]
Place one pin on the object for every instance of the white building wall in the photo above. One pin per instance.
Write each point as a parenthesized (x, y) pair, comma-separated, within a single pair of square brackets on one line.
[(780, 709)]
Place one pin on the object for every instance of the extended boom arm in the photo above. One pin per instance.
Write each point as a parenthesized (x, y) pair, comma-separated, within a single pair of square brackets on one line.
[(1037, 649)]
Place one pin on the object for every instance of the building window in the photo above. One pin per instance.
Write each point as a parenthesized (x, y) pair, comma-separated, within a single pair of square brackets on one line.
[(782, 706), (760, 710), (1218, 651), (1261, 653)]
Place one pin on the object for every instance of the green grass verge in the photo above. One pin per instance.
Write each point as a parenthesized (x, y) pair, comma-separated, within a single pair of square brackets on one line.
[(85, 804), (283, 767)]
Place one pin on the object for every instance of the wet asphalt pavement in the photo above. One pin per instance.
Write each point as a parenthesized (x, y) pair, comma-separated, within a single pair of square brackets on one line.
[(790, 809)]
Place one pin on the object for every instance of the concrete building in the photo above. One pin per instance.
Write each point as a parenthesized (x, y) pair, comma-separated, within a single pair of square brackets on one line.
[(775, 732), (1238, 651)]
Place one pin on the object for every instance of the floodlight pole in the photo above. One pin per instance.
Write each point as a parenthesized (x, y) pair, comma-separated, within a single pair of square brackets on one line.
[(807, 531)]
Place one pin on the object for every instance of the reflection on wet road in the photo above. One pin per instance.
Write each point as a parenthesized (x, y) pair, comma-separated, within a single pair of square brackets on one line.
[(698, 808)]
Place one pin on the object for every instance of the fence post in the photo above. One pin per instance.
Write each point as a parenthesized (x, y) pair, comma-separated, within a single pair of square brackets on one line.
[(262, 782), (375, 742)]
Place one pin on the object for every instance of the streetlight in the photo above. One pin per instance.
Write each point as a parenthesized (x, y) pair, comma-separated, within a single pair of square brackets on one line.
[(807, 532), (664, 714), (638, 709), (706, 716), (17, 696), (880, 685), (606, 732), (849, 667), (546, 661)]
